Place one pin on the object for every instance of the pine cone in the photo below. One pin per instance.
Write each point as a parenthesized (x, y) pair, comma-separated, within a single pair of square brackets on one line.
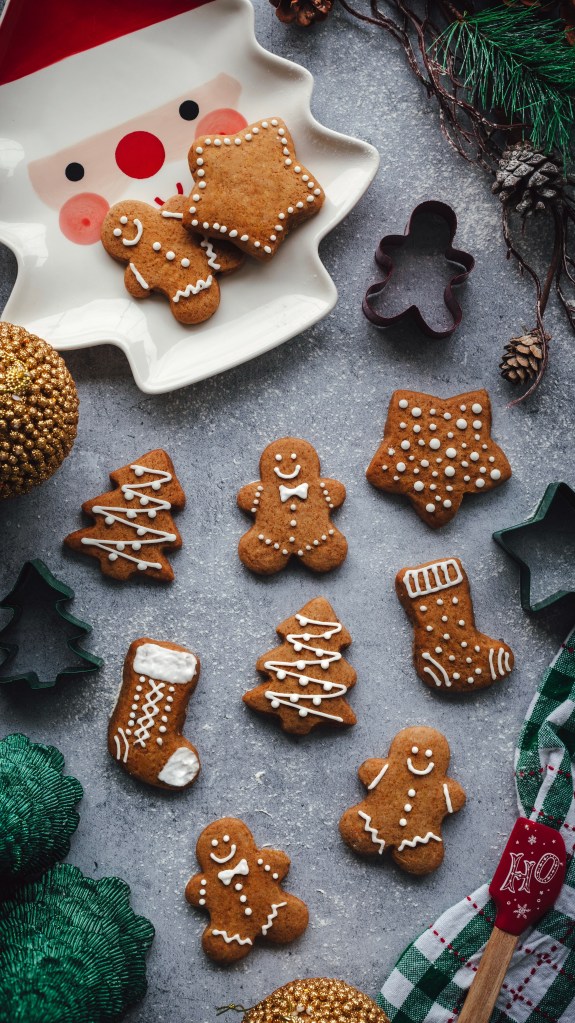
[(527, 179), (524, 357), (303, 12)]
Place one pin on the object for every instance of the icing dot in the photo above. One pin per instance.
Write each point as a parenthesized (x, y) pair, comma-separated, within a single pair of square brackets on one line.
[(461, 424), (447, 415), (430, 508), (411, 792), (215, 842), (157, 246), (429, 753), (474, 456), (435, 443), (403, 403), (415, 749), (117, 232), (185, 262), (407, 807), (476, 424), (238, 887), (424, 463), (170, 255), (400, 466), (248, 911), (419, 486), (402, 822), (449, 470), (429, 628), (451, 452), (476, 408), (416, 412), (405, 445), (480, 483), (495, 474), (447, 503), (417, 429), (423, 607)]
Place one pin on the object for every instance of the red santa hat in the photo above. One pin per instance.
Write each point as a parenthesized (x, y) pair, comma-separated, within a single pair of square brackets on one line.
[(37, 33)]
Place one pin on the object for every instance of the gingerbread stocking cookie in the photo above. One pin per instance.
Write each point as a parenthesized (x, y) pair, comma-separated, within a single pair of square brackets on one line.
[(408, 796), (448, 652), (162, 256), (292, 505), (240, 886), (145, 730), (307, 676), (436, 450)]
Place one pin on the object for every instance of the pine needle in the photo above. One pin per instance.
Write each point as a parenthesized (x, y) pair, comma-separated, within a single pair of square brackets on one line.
[(508, 58)]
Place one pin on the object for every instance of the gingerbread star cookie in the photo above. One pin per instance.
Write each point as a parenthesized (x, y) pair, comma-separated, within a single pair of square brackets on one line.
[(408, 796), (250, 187), (241, 888), (292, 505), (436, 450), (162, 256)]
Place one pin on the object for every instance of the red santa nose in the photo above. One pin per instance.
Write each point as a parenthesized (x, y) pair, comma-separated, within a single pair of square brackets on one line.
[(140, 154)]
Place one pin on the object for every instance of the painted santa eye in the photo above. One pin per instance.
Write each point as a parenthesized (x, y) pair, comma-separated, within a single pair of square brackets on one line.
[(415, 749), (429, 753), (278, 458), (74, 172), (189, 110), (294, 456)]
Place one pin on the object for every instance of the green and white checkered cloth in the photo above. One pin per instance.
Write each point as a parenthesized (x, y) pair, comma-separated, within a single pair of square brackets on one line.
[(430, 980)]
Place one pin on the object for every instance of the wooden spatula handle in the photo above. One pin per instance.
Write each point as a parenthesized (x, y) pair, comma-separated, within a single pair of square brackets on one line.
[(490, 975)]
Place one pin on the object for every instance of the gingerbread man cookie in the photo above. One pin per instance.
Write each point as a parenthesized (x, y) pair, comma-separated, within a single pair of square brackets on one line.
[(448, 651), (436, 450), (307, 676), (251, 188), (145, 730), (292, 505), (408, 796), (162, 256), (240, 887)]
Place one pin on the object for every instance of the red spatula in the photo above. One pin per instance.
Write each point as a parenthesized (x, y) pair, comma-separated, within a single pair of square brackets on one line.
[(525, 885)]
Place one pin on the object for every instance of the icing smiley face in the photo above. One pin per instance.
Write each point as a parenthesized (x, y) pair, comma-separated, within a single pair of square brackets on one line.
[(289, 459), (427, 756)]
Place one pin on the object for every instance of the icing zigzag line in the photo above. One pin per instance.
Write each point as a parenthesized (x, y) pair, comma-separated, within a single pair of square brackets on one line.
[(272, 915), (233, 937), (372, 831), (418, 840)]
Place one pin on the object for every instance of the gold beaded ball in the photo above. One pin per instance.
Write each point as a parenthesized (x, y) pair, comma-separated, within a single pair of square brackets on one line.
[(316, 1001), (38, 411)]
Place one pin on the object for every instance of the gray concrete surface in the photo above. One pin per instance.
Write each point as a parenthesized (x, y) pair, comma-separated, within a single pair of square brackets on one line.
[(330, 385)]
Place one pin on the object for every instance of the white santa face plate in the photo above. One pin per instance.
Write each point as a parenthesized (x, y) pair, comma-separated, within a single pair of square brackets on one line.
[(59, 172)]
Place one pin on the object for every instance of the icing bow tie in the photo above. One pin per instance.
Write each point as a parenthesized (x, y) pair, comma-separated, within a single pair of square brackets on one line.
[(227, 876), (287, 492)]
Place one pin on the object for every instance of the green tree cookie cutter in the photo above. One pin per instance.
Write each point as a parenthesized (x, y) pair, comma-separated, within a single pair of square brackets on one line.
[(555, 496), (33, 575)]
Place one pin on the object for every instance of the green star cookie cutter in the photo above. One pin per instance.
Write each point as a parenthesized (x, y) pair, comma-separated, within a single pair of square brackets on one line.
[(556, 496), (34, 578)]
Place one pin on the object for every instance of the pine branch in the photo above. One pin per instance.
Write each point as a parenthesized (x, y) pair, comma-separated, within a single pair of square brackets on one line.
[(510, 59)]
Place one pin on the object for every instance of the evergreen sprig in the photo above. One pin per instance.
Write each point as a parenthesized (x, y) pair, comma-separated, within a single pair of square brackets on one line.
[(511, 59)]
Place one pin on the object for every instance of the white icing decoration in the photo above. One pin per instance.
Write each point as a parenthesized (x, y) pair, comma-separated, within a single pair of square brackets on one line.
[(476, 408), (181, 768), (174, 216), (430, 579), (141, 280), (495, 474), (300, 491), (323, 658), (378, 778), (139, 228), (287, 475), (174, 666), (440, 668), (372, 831), (418, 840), (193, 289), (228, 938), (129, 517), (224, 859), (212, 257), (272, 915), (226, 876), (416, 770), (118, 749), (448, 802)]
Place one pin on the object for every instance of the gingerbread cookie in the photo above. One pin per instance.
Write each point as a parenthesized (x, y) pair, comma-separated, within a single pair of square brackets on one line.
[(307, 677), (408, 796), (292, 504), (145, 730), (162, 256), (250, 187), (448, 652), (240, 887), (436, 450), (133, 523)]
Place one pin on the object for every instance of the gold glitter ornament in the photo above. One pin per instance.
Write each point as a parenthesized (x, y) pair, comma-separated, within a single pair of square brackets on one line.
[(316, 1001), (38, 411)]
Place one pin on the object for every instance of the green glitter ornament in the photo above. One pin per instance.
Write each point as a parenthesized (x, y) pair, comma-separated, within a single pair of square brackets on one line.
[(37, 808), (71, 950)]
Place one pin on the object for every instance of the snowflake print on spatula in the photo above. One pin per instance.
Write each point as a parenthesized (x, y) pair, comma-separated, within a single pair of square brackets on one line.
[(437, 450)]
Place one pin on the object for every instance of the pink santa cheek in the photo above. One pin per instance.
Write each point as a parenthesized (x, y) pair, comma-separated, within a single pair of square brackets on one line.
[(81, 218), (224, 121)]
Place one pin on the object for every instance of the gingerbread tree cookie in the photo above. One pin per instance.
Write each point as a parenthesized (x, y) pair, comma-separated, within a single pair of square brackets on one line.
[(240, 886), (448, 652), (251, 188), (307, 676), (133, 523), (292, 505), (436, 450), (162, 256), (145, 730), (408, 796)]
